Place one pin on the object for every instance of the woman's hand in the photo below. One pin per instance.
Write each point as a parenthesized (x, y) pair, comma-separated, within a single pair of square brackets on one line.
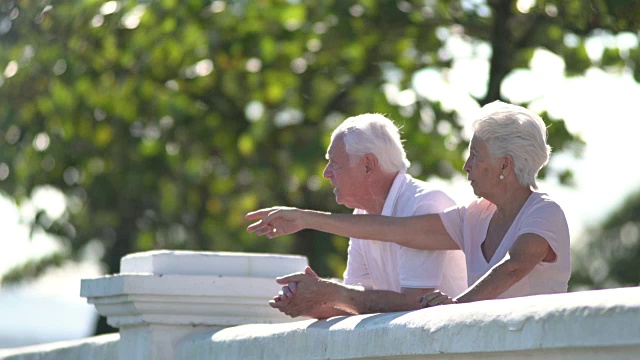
[(436, 298), (276, 221)]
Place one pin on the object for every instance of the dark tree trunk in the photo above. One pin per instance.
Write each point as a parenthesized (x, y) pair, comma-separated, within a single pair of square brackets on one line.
[(502, 48), (121, 247)]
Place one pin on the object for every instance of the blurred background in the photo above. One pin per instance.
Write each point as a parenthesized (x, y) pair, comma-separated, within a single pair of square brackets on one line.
[(128, 126)]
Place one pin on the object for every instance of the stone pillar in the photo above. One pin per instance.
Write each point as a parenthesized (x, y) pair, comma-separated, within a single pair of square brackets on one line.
[(160, 297)]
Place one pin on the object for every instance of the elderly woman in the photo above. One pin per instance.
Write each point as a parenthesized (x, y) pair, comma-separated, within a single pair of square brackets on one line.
[(515, 239)]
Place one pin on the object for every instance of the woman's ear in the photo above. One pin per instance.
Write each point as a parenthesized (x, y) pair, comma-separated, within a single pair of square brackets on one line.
[(507, 163)]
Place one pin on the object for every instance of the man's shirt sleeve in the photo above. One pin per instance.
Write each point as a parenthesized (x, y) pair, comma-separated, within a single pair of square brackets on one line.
[(357, 272), (423, 268)]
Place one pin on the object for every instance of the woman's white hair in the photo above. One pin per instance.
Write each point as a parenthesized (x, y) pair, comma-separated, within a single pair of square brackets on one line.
[(511, 130), (376, 134)]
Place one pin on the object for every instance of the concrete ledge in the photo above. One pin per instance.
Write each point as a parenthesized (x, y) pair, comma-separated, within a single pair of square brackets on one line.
[(103, 347), (180, 285), (191, 288), (164, 296), (601, 324)]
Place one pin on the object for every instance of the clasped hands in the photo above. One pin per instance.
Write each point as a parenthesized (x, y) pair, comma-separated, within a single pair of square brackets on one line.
[(305, 303), (303, 294)]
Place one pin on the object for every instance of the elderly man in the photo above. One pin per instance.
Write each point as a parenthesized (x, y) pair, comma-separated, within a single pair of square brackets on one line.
[(367, 165)]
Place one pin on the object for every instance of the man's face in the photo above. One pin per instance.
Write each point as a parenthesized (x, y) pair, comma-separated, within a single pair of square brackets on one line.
[(347, 179)]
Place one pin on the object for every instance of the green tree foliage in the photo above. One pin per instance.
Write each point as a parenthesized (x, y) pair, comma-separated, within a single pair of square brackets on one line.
[(610, 256), (163, 122)]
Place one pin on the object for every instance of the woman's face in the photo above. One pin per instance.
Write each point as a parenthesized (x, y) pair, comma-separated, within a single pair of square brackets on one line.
[(482, 170)]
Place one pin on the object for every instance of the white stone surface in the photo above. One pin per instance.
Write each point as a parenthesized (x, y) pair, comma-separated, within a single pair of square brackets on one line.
[(601, 324), (133, 299), (103, 347), (192, 288), (164, 296)]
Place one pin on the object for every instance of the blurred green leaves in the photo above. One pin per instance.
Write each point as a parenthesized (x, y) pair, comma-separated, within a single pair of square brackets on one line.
[(163, 122), (610, 255)]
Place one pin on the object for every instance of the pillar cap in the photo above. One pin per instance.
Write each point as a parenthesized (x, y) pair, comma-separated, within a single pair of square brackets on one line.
[(180, 262), (188, 288)]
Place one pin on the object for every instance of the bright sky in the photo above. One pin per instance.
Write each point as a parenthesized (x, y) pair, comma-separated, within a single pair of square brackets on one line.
[(600, 107)]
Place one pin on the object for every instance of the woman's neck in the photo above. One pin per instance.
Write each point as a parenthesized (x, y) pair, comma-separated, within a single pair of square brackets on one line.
[(509, 203)]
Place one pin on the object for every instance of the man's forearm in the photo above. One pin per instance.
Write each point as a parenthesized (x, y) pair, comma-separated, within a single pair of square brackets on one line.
[(325, 312), (361, 301), (317, 297)]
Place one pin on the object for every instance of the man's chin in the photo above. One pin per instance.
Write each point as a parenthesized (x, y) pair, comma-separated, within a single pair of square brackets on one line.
[(340, 201)]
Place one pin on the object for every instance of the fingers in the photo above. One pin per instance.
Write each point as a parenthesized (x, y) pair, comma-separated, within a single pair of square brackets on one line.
[(285, 280), (434, 299), (259, 226), (286, 291), (258, 214), (261, 229), (280, 305), (283, 307), (273, 222), (309, 271), (280, 300), (263, 226), (266, 227)]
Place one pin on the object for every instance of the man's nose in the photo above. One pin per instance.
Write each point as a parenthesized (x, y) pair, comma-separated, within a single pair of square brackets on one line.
[(327, 172)]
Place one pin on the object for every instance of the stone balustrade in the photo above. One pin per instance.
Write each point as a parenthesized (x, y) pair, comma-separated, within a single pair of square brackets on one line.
[(202, 305)]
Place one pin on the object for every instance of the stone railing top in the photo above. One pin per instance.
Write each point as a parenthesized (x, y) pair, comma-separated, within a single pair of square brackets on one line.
[(575, 323), (174, 262)]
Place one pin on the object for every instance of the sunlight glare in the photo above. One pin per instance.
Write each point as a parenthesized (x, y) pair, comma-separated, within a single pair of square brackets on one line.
[(525, 5), (109, 7), (254, 111), (4, 171), (11, 69), (49, 199), (41, 141), (131, 19), (253, 65)]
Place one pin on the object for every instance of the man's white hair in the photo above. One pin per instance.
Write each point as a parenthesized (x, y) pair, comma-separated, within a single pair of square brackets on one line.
[(511, 130), (376, 134)]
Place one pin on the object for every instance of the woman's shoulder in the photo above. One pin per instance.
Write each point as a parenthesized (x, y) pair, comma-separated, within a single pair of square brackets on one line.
[(541, 200), (480, 204), (479, 208)]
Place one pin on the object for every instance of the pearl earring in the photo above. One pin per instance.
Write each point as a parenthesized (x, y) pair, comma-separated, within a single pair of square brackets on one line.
[(501, 177)]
